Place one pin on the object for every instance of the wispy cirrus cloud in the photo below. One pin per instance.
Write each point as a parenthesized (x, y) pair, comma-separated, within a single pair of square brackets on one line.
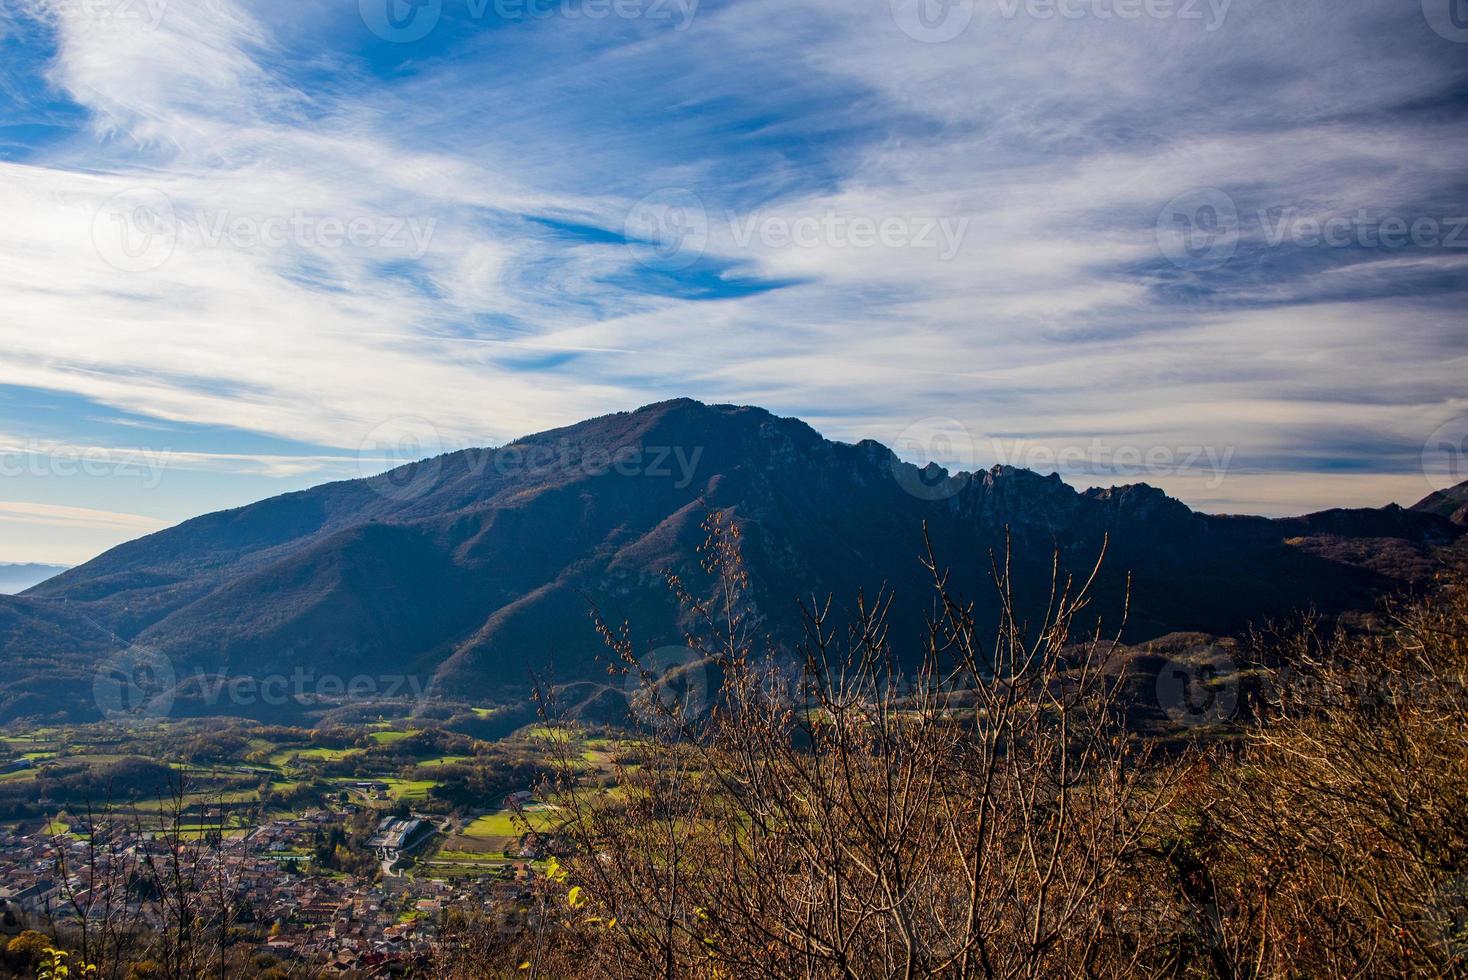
[(514, 222), (51, 515)]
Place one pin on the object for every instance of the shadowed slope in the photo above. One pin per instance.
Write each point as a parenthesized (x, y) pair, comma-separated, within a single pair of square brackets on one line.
[(474, 569)]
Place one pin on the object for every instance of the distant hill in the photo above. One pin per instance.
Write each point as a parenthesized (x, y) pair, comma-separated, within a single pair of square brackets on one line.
[(19, 577), (469, 571)]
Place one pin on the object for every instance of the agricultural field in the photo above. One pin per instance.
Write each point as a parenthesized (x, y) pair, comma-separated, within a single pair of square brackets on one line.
[(244, 773), (489, 841)]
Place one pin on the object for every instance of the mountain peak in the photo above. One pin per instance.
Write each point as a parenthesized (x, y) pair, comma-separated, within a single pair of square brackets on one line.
[(1451, 503), (474, 569)]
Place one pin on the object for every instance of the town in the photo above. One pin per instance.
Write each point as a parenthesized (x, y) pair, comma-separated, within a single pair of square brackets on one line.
[(348, 855)]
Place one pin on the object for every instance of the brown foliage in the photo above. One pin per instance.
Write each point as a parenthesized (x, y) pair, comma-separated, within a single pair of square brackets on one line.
[(981, 816), (990, 816), (1337, 843)]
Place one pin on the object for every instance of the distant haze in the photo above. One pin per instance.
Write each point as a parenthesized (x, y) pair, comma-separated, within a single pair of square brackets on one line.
[(17, 578)]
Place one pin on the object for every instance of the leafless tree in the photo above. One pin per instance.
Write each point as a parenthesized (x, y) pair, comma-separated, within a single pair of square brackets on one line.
[(980, 815), (1337, 843), (95, 907)]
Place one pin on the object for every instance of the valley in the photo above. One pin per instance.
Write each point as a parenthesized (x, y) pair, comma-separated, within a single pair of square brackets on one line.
[(293, 818)]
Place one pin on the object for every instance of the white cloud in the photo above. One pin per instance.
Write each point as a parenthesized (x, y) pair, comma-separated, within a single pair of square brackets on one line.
[(52, 515), (1055, 143)]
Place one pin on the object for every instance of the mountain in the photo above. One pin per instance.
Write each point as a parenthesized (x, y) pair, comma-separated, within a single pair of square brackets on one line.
[(19, 577), (465, 574), (1451, 503)]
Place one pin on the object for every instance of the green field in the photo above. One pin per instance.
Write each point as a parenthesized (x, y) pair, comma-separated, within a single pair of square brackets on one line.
[(409, 789), (327, 755), (501, 823), (239, 769), (388, 736)]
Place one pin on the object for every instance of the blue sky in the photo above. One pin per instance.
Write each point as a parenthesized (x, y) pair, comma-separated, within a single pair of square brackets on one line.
[(1217, 245)]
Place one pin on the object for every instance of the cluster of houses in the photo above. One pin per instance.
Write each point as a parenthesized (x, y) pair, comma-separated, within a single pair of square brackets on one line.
[(340, 921)]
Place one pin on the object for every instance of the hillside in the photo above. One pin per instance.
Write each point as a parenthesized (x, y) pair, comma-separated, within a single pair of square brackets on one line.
[(472, 570)]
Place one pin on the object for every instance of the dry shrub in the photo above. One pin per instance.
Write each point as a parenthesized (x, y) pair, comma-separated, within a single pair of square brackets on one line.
[(989, 815), (983, 815), (1337, 843)]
